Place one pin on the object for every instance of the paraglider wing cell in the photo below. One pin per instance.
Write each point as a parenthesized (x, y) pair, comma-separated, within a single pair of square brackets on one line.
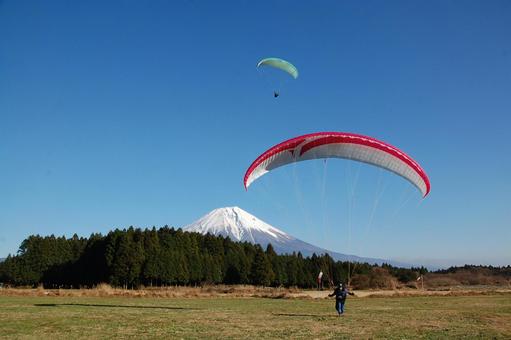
[(339, 145)]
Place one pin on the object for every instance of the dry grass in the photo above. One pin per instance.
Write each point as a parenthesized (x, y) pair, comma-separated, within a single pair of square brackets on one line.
[(105, 290), (481, 276), (246, 291)]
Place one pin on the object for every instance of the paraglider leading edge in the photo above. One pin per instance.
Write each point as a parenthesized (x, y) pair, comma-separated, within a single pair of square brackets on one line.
[(339, 145)]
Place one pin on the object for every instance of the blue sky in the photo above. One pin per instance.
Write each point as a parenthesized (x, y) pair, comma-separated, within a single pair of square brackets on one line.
[(148, 113)]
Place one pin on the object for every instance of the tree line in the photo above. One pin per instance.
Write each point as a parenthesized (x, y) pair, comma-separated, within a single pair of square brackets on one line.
[(166, 256)]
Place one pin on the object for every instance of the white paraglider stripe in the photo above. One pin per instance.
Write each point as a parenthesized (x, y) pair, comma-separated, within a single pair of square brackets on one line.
[(354, 151)]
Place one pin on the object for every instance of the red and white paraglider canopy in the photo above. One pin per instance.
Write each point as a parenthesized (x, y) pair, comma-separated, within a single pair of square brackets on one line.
[(339, 145)]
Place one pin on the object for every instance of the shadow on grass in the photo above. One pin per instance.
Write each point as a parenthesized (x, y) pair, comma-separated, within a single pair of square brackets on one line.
[(111, 306), (307, 315)]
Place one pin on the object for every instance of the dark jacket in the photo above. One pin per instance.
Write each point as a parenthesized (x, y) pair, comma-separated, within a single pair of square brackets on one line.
[(341, 294)]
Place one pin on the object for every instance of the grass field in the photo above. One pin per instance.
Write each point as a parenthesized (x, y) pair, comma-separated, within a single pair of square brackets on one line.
[(483, 316)]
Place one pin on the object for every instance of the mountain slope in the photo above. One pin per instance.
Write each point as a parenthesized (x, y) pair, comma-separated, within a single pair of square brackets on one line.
[(239, 225)]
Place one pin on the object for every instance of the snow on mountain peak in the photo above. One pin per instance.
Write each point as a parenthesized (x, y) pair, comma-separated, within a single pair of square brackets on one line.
[(238, 224)]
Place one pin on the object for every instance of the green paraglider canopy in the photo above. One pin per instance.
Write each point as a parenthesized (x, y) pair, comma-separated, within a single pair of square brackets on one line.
[(281, 64)]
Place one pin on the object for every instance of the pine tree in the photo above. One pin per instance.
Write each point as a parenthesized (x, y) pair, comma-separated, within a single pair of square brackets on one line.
[(236, 264), (151, 266), (194, 261), (261, 273)]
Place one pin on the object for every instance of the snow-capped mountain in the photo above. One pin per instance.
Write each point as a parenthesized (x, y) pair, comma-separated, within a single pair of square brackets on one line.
[(240, 225)]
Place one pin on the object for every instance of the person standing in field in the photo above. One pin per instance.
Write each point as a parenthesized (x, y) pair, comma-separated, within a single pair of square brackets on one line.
[(320, 280), (341, 293)]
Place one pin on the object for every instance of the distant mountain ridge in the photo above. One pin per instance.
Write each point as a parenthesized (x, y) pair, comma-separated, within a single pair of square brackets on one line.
[(239, 225)]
